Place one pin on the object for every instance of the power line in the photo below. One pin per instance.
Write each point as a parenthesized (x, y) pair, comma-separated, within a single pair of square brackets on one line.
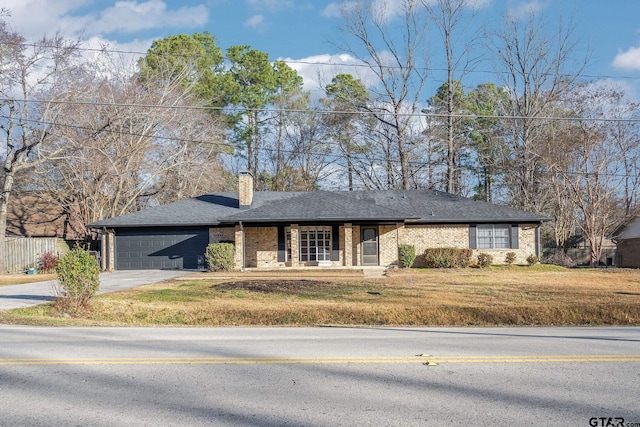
[(380, 112), (369, 160), (332, 64)]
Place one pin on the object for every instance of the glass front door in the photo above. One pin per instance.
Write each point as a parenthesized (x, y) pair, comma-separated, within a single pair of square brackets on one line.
[(369, 246)]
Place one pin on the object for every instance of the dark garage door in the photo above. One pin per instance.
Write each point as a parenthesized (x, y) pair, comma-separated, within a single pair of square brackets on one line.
[(161, 249)]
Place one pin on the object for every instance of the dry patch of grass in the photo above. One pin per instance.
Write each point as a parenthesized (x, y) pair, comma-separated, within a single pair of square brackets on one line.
[(19, 279), (497, 296)]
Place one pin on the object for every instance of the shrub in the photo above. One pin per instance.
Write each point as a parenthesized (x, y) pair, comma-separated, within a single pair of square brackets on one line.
[(510, 258), (447, 257), (48, 262), (220, 256), (532, 260), (78, 278), (561, 259), (484, 259), (406, 255)]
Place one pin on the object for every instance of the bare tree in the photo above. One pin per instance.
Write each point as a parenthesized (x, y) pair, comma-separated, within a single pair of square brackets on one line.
[(123, 146), (29, 91), (537, 66), (589, 167), (396, 54)]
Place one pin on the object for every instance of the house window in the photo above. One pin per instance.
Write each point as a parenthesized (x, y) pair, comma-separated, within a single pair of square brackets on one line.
[(493, 236), (315, 244)]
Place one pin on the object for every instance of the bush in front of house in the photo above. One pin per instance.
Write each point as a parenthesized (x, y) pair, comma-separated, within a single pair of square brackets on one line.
[(561, 259), (447, 257), (532, 260), (406, 255), (510, 258), (48, 262), (484, 259), (78, 278), (220, 256)]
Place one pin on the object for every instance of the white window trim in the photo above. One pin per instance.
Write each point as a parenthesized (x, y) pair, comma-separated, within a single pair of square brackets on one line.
[(320, 254)]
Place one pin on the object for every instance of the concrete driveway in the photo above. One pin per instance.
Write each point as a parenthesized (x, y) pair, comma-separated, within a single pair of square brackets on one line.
[(28, 294)]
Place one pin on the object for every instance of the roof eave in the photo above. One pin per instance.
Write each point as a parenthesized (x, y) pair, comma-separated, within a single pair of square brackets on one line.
[(98, 226)]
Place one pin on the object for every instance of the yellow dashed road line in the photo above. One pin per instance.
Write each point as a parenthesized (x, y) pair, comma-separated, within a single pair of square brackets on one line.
[(423, 359)]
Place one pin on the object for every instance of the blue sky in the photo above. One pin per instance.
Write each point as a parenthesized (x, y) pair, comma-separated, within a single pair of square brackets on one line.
[(300, 30)]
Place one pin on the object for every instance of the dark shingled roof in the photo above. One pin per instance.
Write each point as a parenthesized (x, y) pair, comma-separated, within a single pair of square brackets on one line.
[(420, 206)]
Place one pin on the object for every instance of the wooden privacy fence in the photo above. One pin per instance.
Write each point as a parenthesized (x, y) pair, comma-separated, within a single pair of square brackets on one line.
[(23, 253)]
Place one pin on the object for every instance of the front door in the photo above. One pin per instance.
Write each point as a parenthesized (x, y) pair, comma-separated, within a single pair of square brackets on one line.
[(369, 246)]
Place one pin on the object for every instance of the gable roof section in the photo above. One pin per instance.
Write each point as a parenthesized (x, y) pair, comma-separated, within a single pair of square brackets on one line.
[(630, 229), (418, 206), (432, 206), (322, 206)]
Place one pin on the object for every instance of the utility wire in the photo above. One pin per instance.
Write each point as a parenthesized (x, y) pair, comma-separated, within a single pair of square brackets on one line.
[(332, 64), (364, 159), (380, 112)]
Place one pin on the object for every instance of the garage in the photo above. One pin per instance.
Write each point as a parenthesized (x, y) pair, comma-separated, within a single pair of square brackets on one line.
[(140, 249)]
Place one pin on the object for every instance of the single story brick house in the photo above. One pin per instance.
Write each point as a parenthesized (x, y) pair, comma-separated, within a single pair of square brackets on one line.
[(627, 240), (318, 228)]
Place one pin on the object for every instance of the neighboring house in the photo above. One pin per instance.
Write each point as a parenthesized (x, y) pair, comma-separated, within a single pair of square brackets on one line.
[(319, 228), (35, 226), (627, 239), (36, 215), (579, 252)]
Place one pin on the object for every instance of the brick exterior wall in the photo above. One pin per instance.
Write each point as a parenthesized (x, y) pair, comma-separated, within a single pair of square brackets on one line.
[(245, 189), (261, 244), (238, 254), (108, 248), (422, 237), (457, 236), (629, 253), (217, 235)]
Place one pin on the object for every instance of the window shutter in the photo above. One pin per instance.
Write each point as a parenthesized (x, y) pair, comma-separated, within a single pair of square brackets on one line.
[(282, 246), (335, 243), (473, 241), (515, 239)]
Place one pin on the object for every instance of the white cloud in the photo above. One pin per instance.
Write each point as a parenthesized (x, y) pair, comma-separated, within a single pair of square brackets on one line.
[(33, 18), (629, 60), (386, 10), (318, 70), (383, 10), (254, 22), (333, 10), (271, 5), (520, 10), (133, 16)]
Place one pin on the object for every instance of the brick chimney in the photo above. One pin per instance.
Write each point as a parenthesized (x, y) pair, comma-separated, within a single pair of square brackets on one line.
[(245, 189)]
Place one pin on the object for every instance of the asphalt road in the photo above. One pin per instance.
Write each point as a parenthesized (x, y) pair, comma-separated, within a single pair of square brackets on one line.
[(319, 376)]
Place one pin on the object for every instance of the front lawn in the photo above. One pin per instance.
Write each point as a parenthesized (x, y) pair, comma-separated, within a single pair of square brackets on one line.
[(497, 296), (19, 279)]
